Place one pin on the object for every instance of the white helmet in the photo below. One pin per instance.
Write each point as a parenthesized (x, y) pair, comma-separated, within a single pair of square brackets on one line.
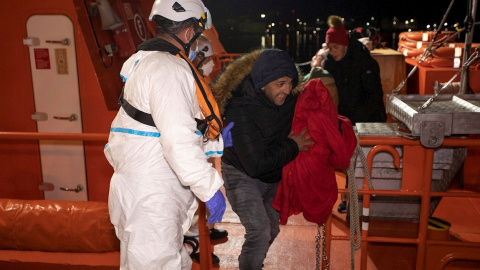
[(181, 10), (204, 46)]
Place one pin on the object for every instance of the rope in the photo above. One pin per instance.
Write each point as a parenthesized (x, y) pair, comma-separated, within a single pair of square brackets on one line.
[(303, 64), (472, 58), (429, 50), (424, 56), (354, 211)]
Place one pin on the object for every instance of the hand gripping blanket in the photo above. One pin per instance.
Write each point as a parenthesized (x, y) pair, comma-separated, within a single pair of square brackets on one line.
[(308, 183)]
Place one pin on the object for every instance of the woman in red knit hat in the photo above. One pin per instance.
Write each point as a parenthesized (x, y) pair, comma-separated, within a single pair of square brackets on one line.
[(357, 76)]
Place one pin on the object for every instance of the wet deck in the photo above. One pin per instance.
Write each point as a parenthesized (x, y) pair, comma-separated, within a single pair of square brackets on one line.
[(294, 247)]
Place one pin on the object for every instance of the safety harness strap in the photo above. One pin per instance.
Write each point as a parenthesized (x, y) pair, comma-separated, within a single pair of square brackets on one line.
[(147, 119), (211, 116), (210, 127), (142, 117)]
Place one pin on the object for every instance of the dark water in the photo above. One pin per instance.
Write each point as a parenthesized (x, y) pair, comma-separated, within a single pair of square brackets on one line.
[(300, 46)]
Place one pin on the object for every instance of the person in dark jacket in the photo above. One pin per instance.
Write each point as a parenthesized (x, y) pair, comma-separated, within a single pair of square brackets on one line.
[(357, 76), (257, 92)]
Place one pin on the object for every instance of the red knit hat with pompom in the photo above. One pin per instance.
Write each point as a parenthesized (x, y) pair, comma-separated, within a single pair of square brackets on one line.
[(337, 33)]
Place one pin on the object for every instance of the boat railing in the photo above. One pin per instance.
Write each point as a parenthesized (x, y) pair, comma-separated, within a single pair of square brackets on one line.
[(224, 58), (416, 181), (53, 136), (221, 60)]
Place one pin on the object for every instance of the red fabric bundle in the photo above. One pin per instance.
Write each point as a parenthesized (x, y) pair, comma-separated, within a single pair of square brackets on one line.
[(308, 184)]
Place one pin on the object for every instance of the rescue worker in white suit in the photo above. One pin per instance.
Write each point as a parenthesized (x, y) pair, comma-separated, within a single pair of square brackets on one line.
[(160, 141)]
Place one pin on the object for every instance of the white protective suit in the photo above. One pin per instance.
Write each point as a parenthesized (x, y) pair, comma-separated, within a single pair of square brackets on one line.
[(159, 171)]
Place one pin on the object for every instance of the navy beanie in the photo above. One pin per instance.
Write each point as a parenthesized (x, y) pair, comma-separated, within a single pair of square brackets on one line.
[(272, 64)]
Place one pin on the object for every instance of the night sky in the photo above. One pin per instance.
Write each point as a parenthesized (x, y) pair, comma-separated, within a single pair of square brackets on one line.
[(358, 9)]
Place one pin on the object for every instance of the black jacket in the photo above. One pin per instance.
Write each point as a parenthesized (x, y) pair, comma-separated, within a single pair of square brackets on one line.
[(261, 146), (357, 76)]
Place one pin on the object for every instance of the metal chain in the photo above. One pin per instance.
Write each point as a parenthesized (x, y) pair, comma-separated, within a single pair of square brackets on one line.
[(324, 248), (321, 235), (317, 249)]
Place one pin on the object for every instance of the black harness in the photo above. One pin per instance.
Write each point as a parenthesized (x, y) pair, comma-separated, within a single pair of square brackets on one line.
[(157, 44)]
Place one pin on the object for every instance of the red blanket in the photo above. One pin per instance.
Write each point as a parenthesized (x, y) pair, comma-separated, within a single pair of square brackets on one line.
[(308, 183)]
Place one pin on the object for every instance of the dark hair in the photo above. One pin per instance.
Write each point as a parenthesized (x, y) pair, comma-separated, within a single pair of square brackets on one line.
[(164, 24)]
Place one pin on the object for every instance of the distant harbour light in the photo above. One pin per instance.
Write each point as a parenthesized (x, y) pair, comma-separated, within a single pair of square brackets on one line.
[(309, 29)]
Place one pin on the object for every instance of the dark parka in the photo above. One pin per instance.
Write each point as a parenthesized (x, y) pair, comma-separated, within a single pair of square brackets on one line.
[(357, 76), (261, 146)]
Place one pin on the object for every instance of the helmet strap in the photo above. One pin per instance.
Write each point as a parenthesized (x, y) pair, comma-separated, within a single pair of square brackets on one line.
[(186, 46), (201, 61)]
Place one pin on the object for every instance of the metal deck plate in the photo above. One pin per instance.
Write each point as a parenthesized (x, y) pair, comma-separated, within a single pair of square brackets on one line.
[(447, 115)]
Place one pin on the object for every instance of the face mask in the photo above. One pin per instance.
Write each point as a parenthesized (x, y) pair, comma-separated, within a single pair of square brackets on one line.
[(207, 68), (192, 55)]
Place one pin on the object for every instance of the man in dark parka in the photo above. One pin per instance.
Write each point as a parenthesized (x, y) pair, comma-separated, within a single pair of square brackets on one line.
[(257, 93)]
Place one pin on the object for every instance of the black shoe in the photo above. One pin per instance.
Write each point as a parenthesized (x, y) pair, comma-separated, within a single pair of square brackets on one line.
[(196, 258), (191, 241), (217, 234), (342, 207)]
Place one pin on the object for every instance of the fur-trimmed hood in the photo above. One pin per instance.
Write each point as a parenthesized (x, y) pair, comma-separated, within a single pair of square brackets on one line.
[(233, 76)]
